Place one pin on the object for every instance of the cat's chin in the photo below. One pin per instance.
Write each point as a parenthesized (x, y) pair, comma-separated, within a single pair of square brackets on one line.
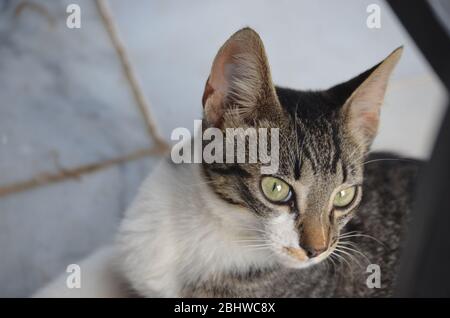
[(294, 264), (290, 261)]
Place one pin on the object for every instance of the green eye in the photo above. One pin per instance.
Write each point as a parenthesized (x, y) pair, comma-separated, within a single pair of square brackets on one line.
[(275, 189), (344, 197)]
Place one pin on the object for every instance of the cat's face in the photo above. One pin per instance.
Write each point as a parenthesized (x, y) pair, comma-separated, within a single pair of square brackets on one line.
[(300, 209)]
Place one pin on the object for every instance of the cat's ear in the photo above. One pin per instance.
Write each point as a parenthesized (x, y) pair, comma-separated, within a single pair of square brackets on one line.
[(240, 80), (361, 109)]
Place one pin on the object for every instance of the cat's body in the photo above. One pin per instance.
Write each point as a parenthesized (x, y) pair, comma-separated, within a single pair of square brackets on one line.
[(221, 229)]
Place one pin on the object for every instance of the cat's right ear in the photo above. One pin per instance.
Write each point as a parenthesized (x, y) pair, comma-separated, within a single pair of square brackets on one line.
[(240, 80), (364, 96)]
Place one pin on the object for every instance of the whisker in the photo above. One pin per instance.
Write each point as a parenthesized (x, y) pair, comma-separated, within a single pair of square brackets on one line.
[(357, 251), (388, 159), (340, 257), (330, 258), (257, 245), (254, 242), (352, 257), (335, 259), (257, 248), (253, 229), (366, 236), (346, 233), (251, 240)]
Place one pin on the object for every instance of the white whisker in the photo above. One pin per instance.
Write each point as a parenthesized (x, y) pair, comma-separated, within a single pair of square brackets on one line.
[(365, 236), (352, 257), (356, 251)]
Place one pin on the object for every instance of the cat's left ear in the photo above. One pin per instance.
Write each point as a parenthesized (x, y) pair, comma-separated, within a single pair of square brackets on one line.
[(361, 109)]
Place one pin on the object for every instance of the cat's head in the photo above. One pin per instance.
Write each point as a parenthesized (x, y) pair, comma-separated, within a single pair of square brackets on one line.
[(323, 139)]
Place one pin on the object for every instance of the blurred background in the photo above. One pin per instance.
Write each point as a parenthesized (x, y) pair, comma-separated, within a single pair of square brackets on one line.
[(74, 145)]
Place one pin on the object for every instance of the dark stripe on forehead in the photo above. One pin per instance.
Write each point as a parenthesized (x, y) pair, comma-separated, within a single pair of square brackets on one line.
[(307, 153), (300, 147), (297, 169), (337, 149), (344, 172), (331, 151)]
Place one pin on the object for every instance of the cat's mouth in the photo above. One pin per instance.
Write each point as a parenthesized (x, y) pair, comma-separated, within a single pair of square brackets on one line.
[(298, 258), (297, 253)]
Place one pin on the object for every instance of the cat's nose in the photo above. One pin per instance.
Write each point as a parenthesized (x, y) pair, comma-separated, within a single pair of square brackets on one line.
[(314, 252), (314, 236)]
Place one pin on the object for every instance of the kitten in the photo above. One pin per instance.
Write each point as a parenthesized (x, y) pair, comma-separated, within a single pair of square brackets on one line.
[(225, 230)]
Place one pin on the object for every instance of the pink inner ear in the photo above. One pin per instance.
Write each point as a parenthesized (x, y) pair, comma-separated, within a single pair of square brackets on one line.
[(365, 103), (213, 108), (210, 99), (369, 121), (218, 84), (364, 115), (221, 70)]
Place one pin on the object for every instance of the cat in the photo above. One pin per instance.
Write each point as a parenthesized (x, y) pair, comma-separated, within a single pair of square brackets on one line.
[(310, 230), (210, 230)]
